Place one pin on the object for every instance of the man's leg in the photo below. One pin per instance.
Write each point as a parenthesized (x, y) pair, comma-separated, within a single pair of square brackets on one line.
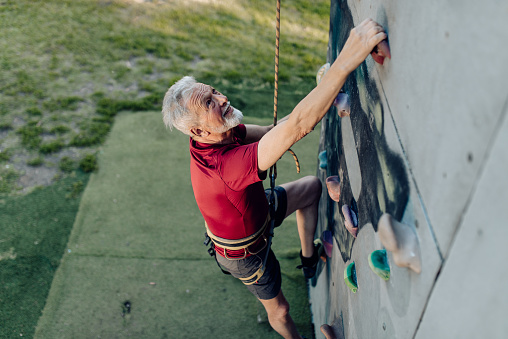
[(303, 197), (277, 310)]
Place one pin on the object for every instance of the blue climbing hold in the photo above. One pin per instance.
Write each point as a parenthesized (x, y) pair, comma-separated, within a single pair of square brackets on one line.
[(323, 160)]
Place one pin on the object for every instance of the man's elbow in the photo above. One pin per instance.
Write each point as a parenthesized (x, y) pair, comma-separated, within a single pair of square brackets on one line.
[(302, 128), (303, 133)]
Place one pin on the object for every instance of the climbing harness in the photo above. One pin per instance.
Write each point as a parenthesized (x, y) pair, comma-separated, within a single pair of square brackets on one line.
[(246, 244), (266, 232)]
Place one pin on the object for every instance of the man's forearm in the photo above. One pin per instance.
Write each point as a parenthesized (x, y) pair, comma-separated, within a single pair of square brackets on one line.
[(281, 121), (255, 132), (314, 106)]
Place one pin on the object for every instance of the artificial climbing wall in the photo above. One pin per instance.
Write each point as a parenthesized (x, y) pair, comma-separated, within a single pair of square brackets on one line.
[(427, 142)]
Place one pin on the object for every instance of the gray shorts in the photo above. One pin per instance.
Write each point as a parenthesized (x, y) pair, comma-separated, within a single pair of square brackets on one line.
[(268, 286)]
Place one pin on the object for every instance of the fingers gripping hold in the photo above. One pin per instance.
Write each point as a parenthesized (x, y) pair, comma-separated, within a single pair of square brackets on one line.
[(374, 32), (372, 37)]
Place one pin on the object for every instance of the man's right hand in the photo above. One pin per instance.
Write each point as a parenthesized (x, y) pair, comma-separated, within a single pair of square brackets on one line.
[(362, 40)]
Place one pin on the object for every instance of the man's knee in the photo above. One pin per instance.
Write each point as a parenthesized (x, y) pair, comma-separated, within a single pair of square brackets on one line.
[(316, 184), (313, 187), (302, 193), (281, 311)]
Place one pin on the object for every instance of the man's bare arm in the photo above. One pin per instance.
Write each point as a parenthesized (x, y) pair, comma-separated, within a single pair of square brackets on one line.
[(307, 114), (256, 132)]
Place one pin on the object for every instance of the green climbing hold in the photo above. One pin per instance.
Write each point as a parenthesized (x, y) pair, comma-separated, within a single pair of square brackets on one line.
[(378, 263), (323, 160), (350, 277)]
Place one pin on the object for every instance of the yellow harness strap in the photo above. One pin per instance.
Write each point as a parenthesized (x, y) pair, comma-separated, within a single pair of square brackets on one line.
[(238, 244), (255, 277), (244, 243)]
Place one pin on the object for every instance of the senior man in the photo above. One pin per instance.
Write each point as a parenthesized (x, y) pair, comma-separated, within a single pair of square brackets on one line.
[(229, 161)]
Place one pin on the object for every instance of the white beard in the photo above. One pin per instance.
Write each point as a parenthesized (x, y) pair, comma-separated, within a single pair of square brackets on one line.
[(232, 121), (235, 119)]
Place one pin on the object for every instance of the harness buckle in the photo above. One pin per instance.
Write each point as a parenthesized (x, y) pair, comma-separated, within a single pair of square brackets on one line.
[(262, 247), (207, 240), (244, 254), (211, 251)]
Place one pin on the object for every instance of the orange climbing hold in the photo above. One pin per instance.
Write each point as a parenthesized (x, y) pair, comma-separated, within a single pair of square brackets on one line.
[(401, 240), (333, 186), (380, 52), (328, 331)]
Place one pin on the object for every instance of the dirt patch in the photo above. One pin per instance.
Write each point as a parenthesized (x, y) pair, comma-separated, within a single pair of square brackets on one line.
[(36, 176)]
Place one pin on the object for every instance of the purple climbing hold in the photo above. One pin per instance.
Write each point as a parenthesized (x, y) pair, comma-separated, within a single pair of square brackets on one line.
[(341, 102), (350, 220), (327, 240)]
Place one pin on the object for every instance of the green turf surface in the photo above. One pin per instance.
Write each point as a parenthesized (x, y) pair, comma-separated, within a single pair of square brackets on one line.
[(68, 66), (138, 223), (34, 232)]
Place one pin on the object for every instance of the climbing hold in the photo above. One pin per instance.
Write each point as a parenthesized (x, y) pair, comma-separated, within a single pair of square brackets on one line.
[(323, 160), (380, 52), (319, 246), (384, 49), (327, 241), (333, 185), (328, 331), (350, 220), (341, 102), (322, 71), (350, 277), (401, 240), (378, 263)]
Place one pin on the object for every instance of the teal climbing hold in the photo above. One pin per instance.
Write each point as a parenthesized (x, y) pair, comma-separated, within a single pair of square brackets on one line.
[(350, 277), (378, 263), (323, 160)]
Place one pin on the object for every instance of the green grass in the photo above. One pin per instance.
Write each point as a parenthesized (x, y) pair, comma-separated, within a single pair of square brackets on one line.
[(35, 229), (35, 162), (8, 179), (89, 163), (70, 66), (57, 55), (138, 223), (67, 164), (51, 146), (30, 135), (5, 155)]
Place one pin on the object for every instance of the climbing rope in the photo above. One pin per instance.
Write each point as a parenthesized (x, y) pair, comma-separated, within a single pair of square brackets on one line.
[(273, 169)]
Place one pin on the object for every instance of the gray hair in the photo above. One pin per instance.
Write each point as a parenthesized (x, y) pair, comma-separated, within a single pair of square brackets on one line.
[(174, 110)]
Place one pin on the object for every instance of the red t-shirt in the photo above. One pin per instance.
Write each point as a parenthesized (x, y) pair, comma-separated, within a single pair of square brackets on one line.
[(227, 187)]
